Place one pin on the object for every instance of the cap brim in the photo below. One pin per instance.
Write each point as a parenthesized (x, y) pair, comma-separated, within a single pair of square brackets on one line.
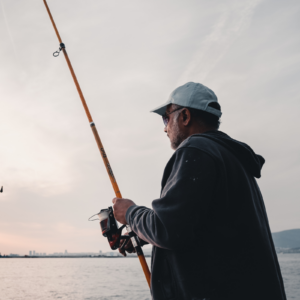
[(161, 109)]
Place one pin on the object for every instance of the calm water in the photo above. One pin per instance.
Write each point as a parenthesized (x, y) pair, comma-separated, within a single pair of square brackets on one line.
[(97, 278), (290, 268)]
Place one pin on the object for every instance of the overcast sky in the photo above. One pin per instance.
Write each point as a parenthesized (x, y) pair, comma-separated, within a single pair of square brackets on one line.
[(128, 57)]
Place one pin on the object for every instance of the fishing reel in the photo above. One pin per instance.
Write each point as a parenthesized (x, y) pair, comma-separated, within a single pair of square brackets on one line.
[(110, 228)]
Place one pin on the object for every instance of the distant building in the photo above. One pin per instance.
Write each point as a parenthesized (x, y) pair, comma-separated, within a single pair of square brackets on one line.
[(44, 254), (33, 253), (66, 252), (100, 252), (111, 254), (30, 253)]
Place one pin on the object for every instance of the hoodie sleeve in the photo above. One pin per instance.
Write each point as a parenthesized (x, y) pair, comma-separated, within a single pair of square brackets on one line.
[(175, 218)]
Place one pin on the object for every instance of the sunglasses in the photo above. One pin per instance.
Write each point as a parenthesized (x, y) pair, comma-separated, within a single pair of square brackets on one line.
[(166, 117)]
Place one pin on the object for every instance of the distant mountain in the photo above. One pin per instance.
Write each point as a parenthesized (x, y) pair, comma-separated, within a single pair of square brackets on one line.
[(287, 238)]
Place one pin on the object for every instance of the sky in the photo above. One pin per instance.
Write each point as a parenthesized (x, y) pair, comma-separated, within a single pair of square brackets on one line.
[(128, 57)]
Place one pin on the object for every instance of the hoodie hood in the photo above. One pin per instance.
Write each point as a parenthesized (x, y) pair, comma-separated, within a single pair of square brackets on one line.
[(251, 161)]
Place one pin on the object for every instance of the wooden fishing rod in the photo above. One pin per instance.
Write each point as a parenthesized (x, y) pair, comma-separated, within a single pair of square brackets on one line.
[(134, 239)]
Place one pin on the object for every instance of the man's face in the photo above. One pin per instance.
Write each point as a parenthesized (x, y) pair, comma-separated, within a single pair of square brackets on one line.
[(174, 128)]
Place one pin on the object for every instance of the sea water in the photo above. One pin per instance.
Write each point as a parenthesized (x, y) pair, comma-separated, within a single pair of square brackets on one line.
[(97, 278), (290, 270)]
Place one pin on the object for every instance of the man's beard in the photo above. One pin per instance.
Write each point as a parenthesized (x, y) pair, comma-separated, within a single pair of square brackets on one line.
[(177, 136)]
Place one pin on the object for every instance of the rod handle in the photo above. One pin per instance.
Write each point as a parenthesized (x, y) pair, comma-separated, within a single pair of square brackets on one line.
[(145, 269)]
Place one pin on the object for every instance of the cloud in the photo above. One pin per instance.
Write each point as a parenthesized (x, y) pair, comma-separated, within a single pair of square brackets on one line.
[(233, 21), (7, 28)]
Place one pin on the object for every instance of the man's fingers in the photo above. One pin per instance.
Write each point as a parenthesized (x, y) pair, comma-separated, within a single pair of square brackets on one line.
[(120, 208), (127, 248), (131, 250), (122, 243), (116, 200), (122, 251)]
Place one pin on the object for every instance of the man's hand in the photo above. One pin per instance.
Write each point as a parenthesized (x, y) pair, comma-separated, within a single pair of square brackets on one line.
[(120, 208), (128, 248)]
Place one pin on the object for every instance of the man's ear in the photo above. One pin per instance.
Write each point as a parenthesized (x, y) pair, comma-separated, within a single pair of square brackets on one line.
[(186, 115)]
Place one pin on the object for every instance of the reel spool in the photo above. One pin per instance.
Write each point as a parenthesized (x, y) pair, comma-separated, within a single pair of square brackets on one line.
[(110, 228)]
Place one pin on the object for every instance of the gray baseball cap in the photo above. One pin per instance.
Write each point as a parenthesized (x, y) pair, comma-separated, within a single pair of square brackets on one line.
[(193, 95)]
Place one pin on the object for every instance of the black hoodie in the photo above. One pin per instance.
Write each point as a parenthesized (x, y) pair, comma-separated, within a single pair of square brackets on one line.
[(209, 229)]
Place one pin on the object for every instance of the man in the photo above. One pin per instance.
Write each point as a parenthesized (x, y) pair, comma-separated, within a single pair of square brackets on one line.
[(209, 228)]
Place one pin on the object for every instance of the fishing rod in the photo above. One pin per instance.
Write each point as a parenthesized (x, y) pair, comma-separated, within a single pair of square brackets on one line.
[(106, 231)]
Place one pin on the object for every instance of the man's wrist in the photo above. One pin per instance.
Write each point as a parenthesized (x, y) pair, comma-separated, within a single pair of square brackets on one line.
[(127, 215)]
